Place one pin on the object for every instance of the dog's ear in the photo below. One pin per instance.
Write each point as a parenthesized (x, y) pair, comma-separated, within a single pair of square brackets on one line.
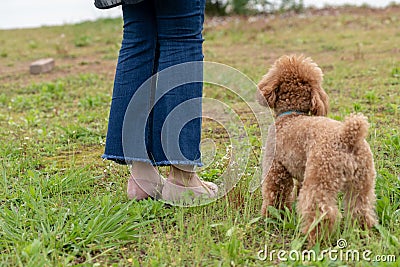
[(319, 101), (266, 95)]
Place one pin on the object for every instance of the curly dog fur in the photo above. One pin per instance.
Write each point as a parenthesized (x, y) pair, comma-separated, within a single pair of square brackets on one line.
[(322, 155)]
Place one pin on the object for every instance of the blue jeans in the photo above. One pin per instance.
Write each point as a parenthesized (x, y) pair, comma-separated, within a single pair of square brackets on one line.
[(157, 34)]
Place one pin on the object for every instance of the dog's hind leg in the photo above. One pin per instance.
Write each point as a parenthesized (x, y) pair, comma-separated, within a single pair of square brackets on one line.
[(317, 202), (359, 197), (276, 188)]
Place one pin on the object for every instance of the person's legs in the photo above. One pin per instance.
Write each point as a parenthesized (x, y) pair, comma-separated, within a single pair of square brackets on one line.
[(136, 63), (150, 45), (179, 31), (179, 27)]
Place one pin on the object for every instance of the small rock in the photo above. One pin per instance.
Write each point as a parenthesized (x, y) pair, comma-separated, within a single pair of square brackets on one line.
[(42, 66)]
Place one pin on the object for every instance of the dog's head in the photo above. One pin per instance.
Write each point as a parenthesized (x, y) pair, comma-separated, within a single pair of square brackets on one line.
[(294, 83)]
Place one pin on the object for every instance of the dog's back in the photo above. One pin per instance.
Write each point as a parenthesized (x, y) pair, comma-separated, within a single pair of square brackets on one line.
[(298, 135)]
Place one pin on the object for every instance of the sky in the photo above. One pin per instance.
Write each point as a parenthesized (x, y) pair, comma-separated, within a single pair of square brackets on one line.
[(28, 13)]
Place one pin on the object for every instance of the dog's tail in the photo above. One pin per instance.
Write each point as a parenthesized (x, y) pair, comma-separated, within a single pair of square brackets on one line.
[(354, 130)]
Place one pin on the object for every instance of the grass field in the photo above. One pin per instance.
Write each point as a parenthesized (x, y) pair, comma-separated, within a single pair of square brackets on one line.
[(62, 205)]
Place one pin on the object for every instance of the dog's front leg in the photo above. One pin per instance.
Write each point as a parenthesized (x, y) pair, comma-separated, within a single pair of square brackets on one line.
[(276, 188)]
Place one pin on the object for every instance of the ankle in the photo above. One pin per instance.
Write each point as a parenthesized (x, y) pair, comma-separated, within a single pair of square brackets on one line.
[(143, 169), (184, 175)]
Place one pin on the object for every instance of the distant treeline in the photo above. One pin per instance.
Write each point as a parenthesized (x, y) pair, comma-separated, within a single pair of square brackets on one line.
[(246, 7)]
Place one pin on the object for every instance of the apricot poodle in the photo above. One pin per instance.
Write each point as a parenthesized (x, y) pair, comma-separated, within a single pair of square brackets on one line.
[(322, 155)]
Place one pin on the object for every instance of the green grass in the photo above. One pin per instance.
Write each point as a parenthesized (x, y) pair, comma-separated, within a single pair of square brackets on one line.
[(61, 205)]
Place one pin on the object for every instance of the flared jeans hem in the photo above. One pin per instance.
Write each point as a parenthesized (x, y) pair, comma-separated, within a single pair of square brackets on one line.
[(129, 160)]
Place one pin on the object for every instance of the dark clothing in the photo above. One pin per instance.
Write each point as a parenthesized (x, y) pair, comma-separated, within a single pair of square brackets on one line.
[(103, 4)]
